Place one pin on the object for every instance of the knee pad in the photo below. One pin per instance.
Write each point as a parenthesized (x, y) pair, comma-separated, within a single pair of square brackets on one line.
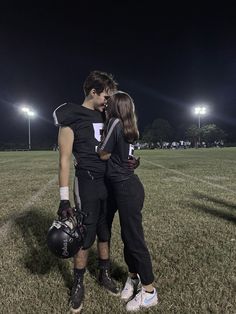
[(103, 233), (89, 239), (90, 223)]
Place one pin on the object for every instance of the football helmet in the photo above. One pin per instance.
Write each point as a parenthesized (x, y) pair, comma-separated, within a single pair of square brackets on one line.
[(65, 236)]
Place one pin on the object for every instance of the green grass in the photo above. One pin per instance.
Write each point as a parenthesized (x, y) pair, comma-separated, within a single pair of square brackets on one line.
[(189, 222)]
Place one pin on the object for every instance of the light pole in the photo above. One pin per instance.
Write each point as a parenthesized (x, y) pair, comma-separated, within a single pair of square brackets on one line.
[(199, 111), (29, 114)]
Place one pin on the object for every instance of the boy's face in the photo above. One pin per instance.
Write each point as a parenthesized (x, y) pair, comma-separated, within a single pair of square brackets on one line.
[(100, 100)]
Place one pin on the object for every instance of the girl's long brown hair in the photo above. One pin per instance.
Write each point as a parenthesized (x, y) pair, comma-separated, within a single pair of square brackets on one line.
[(121, 106)]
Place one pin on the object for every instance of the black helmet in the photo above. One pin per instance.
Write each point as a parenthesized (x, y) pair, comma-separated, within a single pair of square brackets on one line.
[(65, 237)]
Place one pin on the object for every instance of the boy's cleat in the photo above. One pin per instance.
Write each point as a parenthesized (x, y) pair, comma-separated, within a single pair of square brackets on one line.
[(77, 296), (107, 282)]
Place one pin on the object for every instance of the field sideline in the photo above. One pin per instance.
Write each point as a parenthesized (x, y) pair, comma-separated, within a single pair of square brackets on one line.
[(189, 221)]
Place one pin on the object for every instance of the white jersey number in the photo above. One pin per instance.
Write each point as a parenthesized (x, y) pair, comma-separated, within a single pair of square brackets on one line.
[(98, 128), (131, 150)]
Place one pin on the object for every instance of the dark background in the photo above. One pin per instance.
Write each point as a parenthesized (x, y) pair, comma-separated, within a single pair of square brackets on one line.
[(169, 58)]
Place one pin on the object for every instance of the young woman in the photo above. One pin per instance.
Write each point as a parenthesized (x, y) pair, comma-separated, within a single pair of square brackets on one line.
[(117, 146)]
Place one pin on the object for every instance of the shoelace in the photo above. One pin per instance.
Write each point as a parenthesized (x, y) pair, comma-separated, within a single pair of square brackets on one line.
[(107, 275), (78, 285), (77, 288)]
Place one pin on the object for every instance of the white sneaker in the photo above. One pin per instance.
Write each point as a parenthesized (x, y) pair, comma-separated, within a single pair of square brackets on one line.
[(142, 299), (130, 288)]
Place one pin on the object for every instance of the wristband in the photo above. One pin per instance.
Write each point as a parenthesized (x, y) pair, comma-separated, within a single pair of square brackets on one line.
[(64, 193)]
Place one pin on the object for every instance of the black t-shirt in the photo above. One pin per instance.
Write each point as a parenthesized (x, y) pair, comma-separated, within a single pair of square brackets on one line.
[(87, 126), (116, 144)]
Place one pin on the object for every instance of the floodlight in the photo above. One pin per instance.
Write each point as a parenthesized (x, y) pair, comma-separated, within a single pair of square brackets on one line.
[(29, 113)]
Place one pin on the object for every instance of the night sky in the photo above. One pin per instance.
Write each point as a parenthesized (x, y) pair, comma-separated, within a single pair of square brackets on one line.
[(168, 58)]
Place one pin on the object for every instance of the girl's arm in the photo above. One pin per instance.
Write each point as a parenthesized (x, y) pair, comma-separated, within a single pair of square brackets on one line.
[(107, 146)]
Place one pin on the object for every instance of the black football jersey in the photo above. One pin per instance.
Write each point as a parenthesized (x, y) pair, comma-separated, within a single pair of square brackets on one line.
[(116, 144), (87, 126)]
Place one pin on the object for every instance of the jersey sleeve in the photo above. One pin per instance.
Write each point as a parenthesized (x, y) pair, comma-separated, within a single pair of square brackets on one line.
[(112, 134), (66, 114)]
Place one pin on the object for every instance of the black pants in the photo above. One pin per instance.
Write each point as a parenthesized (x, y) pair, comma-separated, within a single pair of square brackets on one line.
[(129, 198), (90, 196)]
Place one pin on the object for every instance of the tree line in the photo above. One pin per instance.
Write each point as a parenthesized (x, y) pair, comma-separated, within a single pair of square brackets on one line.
[(160, 131)]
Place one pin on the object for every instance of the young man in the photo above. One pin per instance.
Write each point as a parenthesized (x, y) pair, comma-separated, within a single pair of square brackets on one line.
[(79, 134)]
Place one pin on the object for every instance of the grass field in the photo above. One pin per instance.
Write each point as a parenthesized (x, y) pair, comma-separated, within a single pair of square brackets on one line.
[(189, 221)]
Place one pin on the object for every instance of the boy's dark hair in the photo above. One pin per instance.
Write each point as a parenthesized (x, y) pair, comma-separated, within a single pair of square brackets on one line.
[(100, 81)]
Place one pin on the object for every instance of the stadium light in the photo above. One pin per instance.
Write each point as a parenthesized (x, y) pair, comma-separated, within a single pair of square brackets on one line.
[(200, 111), (29, 114)]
